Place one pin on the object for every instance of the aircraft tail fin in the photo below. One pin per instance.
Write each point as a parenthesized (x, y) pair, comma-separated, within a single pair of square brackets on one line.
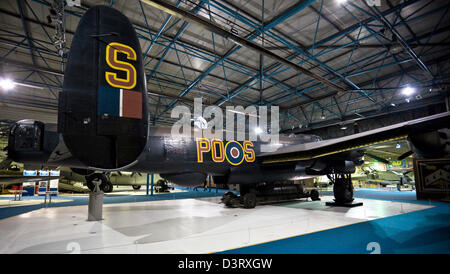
[(103, 111)]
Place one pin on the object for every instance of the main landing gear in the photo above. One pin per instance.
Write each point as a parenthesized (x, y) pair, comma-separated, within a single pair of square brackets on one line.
[(343, 190), (267, 193)]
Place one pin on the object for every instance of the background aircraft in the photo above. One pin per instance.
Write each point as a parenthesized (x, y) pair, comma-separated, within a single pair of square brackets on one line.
[(12, 173), (384, 178), (115, 178)]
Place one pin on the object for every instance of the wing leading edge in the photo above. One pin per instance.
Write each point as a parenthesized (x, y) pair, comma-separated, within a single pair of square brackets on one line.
[(309, 151)]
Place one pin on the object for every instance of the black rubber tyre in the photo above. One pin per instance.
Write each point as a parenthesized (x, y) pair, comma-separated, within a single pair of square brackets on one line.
[(249, 200), (343, 192), (314, 194), (227, 197), (160, 185), (97, 176), (136, 187)]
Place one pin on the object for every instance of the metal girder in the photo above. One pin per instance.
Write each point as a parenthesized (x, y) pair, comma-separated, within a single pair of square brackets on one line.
[(353, 28), (238, 40), (385, 77), (370, 114), (272, 23), (442, 30), (61, 74), (25, 29), (47, 51), (140, 28), (330, 38), (257, 30), (195, 10), (400, 39)]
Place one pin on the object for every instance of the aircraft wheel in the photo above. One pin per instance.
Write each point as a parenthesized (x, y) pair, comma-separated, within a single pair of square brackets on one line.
[(90, 179), (314, 194), (161, 185), (136, 187), (249, 200), (227, 198)]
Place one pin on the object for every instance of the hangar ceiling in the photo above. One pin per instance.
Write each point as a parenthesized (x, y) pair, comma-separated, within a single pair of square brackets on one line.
[(371, 52)]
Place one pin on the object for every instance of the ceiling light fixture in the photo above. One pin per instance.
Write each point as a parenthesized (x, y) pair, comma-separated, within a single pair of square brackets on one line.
[(258, 130), (408, 91), (7, 84)]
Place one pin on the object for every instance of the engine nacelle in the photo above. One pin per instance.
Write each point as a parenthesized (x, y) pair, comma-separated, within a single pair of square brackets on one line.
[(435, 144)]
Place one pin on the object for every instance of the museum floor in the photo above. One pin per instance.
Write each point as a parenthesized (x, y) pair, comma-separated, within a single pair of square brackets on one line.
[(195, 222)]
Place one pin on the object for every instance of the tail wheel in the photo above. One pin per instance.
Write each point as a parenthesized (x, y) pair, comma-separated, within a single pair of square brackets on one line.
[(249, 200), (105, 185), (136, 187)]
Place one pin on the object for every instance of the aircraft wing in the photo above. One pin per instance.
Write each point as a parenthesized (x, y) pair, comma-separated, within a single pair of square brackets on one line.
[(313, 150), (390, 182), (384, 182), (17, 179)]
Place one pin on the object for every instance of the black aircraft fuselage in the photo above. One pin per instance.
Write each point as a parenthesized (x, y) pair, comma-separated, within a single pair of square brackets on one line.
[(181, 160)]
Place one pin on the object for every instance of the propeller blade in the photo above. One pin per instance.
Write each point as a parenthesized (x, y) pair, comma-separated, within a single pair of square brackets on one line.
[(396, 173), (407, 172), (404, 155), (379, 159), (120, 173)]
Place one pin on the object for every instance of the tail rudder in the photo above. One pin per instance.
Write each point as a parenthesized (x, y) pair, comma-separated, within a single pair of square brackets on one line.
[(103, 112)]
